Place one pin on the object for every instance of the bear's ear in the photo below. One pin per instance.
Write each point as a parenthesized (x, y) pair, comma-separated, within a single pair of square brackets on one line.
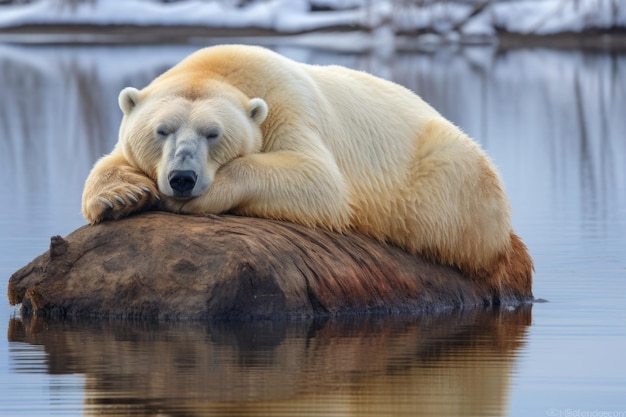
[(128, 99), (257, 110)]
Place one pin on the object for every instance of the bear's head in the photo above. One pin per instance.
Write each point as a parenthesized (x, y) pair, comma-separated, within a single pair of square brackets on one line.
[(181, 139)]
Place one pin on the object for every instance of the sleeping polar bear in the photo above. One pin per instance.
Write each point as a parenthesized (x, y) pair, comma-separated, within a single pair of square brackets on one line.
[(242, 129)]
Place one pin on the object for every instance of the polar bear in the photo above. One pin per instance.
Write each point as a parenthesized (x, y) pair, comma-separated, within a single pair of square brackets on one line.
[(242, 129)]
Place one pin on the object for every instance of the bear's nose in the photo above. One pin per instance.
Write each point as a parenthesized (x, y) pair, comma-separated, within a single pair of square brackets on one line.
[(182, 181)]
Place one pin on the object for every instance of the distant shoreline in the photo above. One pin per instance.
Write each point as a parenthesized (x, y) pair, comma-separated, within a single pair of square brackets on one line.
[(89, 34)]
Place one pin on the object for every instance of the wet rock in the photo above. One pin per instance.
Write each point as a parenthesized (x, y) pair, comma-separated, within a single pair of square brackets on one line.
[(164, 266)]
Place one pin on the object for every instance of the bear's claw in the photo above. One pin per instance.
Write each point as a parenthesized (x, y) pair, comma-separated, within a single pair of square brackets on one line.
[(149, 191), (106, 202), (132, 197)]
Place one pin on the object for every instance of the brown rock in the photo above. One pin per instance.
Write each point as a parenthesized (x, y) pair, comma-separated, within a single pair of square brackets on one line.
[(166, 266)]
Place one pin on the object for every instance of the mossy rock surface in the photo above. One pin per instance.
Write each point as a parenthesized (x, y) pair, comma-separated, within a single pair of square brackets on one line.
[(163, 266)]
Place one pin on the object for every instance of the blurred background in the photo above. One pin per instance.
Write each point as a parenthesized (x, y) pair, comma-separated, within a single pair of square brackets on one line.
[(396, 23), (540, 84)]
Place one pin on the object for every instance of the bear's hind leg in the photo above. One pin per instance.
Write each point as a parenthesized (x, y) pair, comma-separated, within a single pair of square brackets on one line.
[(513, 271), (457, 211)]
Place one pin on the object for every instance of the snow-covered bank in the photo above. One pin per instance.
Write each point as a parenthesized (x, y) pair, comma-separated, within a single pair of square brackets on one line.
[(449, 21)]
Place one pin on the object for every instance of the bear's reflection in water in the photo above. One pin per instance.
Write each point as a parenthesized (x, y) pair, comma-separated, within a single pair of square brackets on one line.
[(457, 363)]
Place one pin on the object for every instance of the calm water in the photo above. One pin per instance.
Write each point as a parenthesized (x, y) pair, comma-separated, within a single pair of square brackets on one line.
[(554, 123)]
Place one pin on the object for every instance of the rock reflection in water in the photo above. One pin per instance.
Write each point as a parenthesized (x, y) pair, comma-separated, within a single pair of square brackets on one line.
[(458, 363)]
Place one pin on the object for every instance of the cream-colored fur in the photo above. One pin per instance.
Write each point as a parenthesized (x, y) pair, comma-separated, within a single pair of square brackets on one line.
[(321, 146)]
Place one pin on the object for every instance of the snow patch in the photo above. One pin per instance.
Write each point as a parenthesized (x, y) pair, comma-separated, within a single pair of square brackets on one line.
[(451, 20)]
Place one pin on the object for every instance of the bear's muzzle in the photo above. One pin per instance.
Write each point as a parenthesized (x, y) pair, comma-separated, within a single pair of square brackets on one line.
[(182, 182)]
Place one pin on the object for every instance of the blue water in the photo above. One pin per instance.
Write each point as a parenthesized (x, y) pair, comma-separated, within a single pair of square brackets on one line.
[(553, 122)]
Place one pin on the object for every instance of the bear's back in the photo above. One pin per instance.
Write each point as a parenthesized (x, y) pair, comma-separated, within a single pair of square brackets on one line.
[(370, 126)]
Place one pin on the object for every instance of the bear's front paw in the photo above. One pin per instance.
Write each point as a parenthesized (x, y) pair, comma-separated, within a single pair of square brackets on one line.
[(119, 200), (173, 205), (202, 206)]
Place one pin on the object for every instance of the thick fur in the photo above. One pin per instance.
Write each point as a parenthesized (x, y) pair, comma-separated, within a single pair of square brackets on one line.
[(322, 146)]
